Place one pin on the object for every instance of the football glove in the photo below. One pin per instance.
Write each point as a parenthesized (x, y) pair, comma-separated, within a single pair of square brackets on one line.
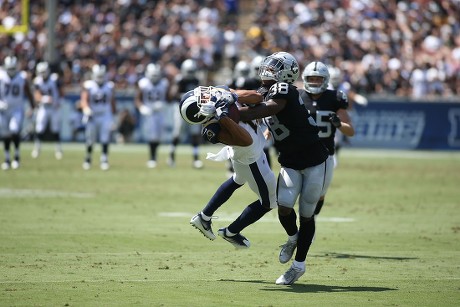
[(335, 120), (207, 109), (145, 110), (87, 111)]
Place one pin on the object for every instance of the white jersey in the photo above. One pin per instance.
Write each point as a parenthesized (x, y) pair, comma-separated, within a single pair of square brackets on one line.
[(154, 95), (12, 90), (49, 89), (249, 154), (99, 97)]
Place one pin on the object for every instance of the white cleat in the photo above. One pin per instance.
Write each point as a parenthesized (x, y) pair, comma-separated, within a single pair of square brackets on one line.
[(58, 155), (291, 276), (152, 164), (86, 166), (198, 164), (6, 165), (203, 226), (105, 166), (287, 250), (15, 164)]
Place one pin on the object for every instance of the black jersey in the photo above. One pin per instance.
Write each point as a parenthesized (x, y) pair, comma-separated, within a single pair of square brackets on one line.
[(294, 131), (330, 101)]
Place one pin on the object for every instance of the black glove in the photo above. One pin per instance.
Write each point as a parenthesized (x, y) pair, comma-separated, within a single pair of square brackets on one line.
[(335, 120), (262, 90)]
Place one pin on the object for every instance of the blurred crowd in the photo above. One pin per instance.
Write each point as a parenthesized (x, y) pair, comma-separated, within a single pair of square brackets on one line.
[(402, 48)]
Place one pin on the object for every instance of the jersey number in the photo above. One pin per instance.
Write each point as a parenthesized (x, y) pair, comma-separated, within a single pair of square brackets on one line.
[(323, 123)]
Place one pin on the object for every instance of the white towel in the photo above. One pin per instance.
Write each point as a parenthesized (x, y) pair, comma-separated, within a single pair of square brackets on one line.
[(224, 154)]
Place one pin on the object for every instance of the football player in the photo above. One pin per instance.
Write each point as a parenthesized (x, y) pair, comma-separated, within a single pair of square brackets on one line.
[(210, 106), (14, 91), (98, 106), (47, 93), (151, 97), (329, 109), (304, 169), (187, 80)]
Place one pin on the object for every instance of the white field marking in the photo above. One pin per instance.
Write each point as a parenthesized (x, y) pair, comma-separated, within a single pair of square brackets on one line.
[(229, 217), (404, 154), (20, 193), (346, 151)]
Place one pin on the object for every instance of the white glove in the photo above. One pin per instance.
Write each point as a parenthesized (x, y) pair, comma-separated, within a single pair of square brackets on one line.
[(208, 109), (3, 105), (145, 110), (157, 106), (46, 99), (87, 112)]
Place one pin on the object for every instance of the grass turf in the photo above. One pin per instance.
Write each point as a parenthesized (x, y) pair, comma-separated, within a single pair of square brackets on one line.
[(388, 234)]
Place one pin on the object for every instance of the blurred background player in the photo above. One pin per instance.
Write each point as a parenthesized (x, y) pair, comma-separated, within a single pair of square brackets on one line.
[(151, 98), (329, 109), (243, 78), (186, 81), (47, 94), (14, 91), (98, 106)]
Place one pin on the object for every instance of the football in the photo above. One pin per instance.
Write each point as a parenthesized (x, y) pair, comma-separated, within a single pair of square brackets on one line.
[(233, 113)]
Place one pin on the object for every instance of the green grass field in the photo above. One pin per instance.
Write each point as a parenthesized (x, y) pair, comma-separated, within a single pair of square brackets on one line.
[(387, 236)]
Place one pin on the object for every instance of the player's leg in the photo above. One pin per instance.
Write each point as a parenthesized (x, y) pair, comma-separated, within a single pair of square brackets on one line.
[(40, 126), (177, 127), (154, 127), (262, 182), (6, 139), (313, 179), (202, 220), (327, 182), (15, 126), (90, 139), (105, 132), (56, 132)]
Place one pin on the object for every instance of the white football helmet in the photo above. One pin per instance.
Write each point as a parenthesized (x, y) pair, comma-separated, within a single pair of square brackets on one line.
[(153, 72), (255, 65), (280, 67), (43, 70), (335, 77), (315, 69), (11, 65), (242, 69), (188, 69), (98, 73), (189, 107)]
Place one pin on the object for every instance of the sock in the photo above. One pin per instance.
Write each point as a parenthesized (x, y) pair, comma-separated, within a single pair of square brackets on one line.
[(306, 234), (89, 151), (250, 214), (228, 233), (222, 194), (153, 150), (205, 217), (289, 223), (299, 264)]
